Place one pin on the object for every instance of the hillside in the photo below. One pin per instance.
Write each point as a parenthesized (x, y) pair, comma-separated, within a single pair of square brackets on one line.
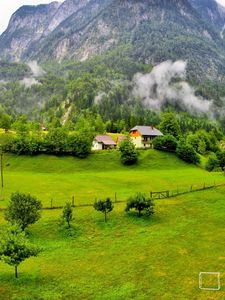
[(100, 175), (156, 30)]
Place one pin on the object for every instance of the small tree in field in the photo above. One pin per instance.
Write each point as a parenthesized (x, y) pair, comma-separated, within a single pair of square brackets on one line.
[(128, 152), (15, 248), (140, 202), (67, 213), (23, 209), (104, 206)]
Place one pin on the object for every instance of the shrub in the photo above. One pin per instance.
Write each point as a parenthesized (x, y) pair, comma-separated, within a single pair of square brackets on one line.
[(221, 159), (140, 203), (128, 152), (67, 214), (187, 153), (212, 163), (165, 143)]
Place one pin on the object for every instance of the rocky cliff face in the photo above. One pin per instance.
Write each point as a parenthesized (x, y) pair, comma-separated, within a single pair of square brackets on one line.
[(157, 30), (27, 25)]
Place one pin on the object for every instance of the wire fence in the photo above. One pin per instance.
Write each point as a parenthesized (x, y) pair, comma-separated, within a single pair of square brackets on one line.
[(155, 195), (58, 203)]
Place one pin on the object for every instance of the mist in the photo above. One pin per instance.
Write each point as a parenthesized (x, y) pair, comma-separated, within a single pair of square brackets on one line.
[(36, 69), (166, 85), (28, 82)]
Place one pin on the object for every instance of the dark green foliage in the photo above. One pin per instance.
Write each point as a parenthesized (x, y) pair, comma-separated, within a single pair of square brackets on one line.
[(165, 143), (104, 206), (186, 152), (56, 141), (140, 202), (128, 153), (202, 141), (212, 163), (15, 248), (13, 71), (5, 122), (170, 125), (67, 214), (221, 158), (23, 209)]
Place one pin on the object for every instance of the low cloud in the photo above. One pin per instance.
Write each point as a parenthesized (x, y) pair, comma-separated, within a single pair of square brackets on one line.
[(166, 85), (36, 69), (98, 99), (28, 82)]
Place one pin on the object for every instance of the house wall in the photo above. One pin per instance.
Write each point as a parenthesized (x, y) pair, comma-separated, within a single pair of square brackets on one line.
[(97, 146), (140, 143)]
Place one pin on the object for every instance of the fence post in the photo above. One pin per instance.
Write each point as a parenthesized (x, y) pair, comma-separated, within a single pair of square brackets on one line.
[(204, 186), (73, 201)]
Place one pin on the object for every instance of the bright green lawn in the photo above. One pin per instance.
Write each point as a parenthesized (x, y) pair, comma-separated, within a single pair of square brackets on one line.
[(127, 258), (100, 175)]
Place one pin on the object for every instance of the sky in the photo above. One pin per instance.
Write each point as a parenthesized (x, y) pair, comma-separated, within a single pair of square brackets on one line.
[(8, 7)]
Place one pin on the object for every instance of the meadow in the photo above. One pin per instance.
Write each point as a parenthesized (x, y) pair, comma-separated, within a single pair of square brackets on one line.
[(128, 257), (99, 175)]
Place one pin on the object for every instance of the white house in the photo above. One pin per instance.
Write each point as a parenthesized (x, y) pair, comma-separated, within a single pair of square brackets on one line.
[(102, 142), (142, 136)]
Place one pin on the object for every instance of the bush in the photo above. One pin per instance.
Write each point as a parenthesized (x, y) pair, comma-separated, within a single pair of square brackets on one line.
[(212, 163), (221, 159), (128, 152), (165, 143), (140, 203), (67, 214), (187, 153)]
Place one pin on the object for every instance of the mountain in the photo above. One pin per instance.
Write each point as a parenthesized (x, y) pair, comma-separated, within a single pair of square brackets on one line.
[(211, 12), (157, 30)]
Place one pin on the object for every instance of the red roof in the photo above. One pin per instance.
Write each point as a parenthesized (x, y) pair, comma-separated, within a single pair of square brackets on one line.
[(105, 139)]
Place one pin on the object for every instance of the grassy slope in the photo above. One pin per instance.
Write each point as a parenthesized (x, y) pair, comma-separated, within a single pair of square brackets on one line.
[(100, 175), (127, 258)]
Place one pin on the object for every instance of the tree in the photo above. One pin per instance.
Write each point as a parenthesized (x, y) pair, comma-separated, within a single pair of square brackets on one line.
[(15, 248), (104, 206), (186, 152), (166, 143), (23, 209), (128, 153), (140, 202), (221, 158), (67, 213), (170, 125), (5, 122), (212, 162)]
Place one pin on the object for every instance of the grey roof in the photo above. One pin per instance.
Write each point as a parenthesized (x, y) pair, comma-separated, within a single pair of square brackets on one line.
[(105, 139), (147, 130)]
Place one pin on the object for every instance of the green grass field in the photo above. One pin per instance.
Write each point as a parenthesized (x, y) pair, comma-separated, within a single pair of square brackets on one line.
[(128, 257), (100, 175)]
